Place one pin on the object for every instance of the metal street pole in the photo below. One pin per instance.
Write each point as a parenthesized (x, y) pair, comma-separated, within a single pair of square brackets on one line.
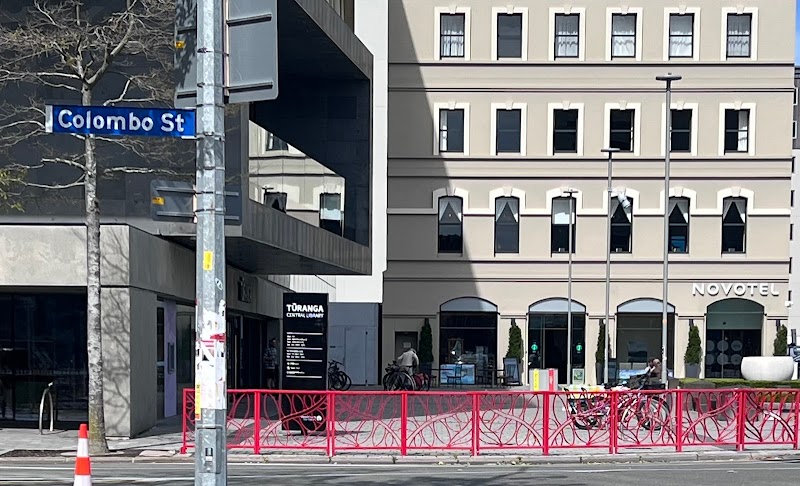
[(570, 193), (610, 152), (668, 79), (210, 354)]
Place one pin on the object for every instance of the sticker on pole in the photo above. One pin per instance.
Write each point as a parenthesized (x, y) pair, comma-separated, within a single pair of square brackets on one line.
[(208, 261)]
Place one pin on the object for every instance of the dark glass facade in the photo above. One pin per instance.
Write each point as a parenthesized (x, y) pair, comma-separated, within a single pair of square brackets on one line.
[(43, 340)]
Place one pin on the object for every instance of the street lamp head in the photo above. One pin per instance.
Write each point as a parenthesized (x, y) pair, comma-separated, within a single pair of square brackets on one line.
[(669, 77), (610, 150)]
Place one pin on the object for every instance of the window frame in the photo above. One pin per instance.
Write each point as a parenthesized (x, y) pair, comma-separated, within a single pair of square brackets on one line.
[(611, 12), (751, 138), (551, 109), (695, 126), (437, 107), (753, 12), (496, 13), (725, 251), (553, 250), (581, 12), (695, 12), (611, 200), (323, 196), (523, 128), (439, 225), (687, 224), (637, 128), (437, 39), (497, 201)]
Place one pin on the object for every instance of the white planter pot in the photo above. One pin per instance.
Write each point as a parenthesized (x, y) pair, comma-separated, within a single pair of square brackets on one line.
[(767, 368)]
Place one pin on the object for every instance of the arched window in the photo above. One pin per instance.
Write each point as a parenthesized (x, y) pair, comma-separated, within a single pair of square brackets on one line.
[(451, 225), (679, 225), (563, 213), (621, 224), (506, 225), (734, 218)]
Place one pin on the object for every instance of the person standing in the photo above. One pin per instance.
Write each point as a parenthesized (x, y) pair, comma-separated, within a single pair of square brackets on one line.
[(271, 364)]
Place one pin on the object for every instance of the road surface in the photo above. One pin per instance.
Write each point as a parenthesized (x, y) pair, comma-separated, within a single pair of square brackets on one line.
[(664, 474)]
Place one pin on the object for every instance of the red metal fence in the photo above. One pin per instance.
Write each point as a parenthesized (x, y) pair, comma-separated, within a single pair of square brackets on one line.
[(514, 422)]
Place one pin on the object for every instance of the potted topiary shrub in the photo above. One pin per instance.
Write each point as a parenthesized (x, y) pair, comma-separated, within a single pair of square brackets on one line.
[(513, 377), (600, 355), (693, 353), (781, 343), (425, 351)]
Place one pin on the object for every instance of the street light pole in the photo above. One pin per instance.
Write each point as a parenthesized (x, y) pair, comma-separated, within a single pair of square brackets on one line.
[(668, 79), (610, 152), (570, 193), (210, 370)]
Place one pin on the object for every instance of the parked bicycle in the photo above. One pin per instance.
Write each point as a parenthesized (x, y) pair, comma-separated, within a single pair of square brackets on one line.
[(337, 379), (398, 379), (649, 411)]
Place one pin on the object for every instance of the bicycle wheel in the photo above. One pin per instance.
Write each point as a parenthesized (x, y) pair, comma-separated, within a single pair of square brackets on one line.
[(335, 382), (653, 412), (406, 382), (345, 380), (583, 415), (385, 381)]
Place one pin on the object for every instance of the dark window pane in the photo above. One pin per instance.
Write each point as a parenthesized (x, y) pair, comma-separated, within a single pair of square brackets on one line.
[(731, 120), (451, 131), (565, 131), (621, 228), (681, 119), (508, 131), (509, 36), (621, 136), (506, 238), (678, 238), (732, 238), (681, 141), (450, 226)]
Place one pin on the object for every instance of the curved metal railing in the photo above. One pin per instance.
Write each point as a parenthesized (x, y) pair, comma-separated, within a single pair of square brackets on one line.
[(47, 397)]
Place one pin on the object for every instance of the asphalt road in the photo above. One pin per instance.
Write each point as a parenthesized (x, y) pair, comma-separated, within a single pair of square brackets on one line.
[(674, 474)]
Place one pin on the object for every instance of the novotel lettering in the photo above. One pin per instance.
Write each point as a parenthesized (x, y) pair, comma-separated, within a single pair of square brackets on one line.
[(738, 289)]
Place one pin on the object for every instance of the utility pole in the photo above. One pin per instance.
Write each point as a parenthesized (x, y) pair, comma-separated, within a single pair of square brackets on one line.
[(211, 468)]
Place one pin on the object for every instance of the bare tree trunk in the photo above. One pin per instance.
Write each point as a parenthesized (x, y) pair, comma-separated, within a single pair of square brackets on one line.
[(97, 420)]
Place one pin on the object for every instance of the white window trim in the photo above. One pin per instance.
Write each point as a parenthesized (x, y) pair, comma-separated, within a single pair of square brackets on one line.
[(694, 107), (564, 105), (581, 33), (753, 32), (637, 125), (751, 128), (695, 32), (450, 106), (437, 48), (496, 12), (523, 128), (639, 12)]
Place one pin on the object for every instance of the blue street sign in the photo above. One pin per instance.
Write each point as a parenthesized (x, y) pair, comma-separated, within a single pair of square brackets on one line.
[(104, 120)]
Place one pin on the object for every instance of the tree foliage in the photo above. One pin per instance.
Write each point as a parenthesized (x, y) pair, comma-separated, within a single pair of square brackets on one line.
[(514, 342), (426, 343), (600, 355), (694, 348), (781, 343)]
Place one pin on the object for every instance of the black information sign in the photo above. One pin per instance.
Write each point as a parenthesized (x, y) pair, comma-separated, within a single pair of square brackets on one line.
[(305, 360)]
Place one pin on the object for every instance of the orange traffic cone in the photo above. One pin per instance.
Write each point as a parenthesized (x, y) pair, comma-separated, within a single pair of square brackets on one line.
[(83, 465)]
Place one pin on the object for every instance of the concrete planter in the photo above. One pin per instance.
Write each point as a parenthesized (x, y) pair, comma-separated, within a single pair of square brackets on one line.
[(692, 370), (767, 368)]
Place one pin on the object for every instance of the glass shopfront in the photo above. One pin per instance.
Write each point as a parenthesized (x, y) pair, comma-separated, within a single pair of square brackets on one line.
[(547, 335), (733, 332), (43, 340), (469, 339)]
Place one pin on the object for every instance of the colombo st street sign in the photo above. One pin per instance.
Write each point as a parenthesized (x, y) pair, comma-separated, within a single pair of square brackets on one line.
[(104, 120), (739, 289)]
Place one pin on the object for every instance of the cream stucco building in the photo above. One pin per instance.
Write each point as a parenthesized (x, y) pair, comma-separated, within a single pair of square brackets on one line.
[(497, 108)]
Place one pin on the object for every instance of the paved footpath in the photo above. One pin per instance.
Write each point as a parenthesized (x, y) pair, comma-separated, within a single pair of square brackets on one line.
[(777, 471)]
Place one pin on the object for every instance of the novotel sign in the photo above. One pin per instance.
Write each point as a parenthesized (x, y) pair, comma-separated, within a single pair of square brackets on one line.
[(740, 289), (106, 120)]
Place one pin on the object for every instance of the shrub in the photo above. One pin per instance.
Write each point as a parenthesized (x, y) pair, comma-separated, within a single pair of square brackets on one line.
[(515, 342), (694, 349), (426, 343), (600, 354), (781, 344)]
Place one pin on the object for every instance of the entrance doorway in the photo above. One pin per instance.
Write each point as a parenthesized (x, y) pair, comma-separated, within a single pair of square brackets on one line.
[(639, 331), (547, 335), (403, 341), (468, 340), (733, 331)]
